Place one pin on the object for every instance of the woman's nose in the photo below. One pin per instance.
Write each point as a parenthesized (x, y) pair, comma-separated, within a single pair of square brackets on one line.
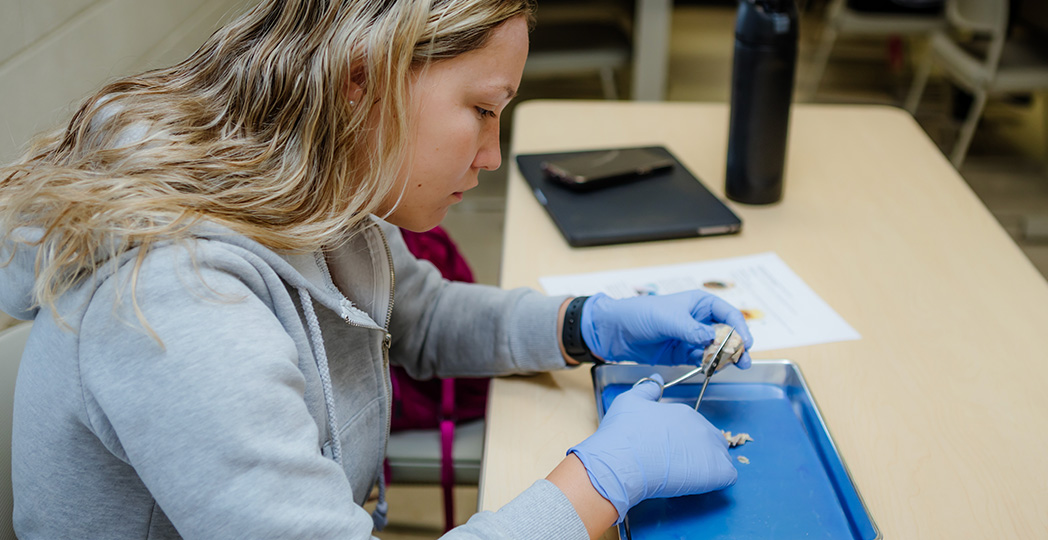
[(489, 154)]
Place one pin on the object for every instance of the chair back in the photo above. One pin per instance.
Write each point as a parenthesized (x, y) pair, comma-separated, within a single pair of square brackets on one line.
[(12, 341), (985, 17), (980, 16)]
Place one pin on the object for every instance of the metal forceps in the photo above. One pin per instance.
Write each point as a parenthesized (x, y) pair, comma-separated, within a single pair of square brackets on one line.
[(708, 371)]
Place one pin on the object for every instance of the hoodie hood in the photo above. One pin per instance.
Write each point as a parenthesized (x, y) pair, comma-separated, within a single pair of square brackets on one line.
[(17, 278)]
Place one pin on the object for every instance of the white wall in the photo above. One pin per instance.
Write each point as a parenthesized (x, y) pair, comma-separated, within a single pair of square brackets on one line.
[(53, 53)]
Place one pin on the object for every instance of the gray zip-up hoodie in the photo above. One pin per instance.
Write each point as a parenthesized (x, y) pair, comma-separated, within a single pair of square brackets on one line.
[(263, 411)]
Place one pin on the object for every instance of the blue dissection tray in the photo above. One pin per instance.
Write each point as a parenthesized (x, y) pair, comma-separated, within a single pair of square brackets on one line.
[(795, 484)]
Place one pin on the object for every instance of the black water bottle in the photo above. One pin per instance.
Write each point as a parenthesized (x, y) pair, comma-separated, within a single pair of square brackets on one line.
[(761, 91)]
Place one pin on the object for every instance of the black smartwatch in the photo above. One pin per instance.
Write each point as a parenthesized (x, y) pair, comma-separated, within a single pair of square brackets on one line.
[(571, 334)]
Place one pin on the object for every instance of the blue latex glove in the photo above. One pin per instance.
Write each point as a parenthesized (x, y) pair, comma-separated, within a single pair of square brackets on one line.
[(671, 329), (644, 449)]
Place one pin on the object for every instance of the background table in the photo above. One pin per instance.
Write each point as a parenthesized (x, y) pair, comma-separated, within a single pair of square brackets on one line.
[(940, 410)]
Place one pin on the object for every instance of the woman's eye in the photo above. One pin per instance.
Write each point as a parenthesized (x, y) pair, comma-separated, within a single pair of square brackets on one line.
[(485, 112)]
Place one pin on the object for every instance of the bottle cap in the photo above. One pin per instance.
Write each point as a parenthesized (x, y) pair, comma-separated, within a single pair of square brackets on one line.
[(767, 22)]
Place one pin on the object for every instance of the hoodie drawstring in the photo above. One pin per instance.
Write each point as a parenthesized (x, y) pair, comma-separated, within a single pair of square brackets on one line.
[(320, 356), (379, 516)]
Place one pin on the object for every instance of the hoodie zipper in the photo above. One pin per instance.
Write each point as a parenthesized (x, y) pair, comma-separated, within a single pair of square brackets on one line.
[(387, 342)]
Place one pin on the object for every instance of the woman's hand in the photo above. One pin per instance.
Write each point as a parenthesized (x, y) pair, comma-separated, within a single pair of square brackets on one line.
[(645, 449), (671, 329)]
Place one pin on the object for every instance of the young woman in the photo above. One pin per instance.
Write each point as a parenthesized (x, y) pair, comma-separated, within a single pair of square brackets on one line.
[(210, 257)]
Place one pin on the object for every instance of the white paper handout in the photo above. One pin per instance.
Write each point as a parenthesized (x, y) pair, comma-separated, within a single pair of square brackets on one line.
[(780, 309)]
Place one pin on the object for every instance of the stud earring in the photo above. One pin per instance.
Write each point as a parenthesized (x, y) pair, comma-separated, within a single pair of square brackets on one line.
[(352, 103)]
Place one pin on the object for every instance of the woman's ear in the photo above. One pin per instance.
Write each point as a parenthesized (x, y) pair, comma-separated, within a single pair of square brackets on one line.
[(353, 92)]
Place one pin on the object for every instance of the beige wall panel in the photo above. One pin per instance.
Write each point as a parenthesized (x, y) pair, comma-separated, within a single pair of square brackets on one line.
[(191, 35), (41, 84), (25, 21)]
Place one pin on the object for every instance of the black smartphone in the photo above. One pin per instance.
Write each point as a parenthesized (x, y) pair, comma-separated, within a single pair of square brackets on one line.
[(592, 170)]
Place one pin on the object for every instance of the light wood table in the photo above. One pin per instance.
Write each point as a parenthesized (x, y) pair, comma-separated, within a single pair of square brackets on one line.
[(940, 410)]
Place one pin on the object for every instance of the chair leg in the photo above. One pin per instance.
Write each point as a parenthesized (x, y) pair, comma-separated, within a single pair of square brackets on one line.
[(826, 42), (1039, 99), (920, 81), (964, 139), (607, 81), (822, 57)]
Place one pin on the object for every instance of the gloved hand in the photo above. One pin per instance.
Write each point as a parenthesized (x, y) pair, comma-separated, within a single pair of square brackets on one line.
[(644, 449), (671, 329)]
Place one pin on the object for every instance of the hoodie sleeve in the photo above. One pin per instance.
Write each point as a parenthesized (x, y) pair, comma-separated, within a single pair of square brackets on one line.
[(541, 512), (213, 420), (451, 329)]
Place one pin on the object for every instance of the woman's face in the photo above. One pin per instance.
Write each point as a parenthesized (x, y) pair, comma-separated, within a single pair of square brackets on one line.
[(455, 106)]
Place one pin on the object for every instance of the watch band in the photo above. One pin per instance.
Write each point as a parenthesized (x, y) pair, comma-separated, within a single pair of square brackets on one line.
[(571, 334)]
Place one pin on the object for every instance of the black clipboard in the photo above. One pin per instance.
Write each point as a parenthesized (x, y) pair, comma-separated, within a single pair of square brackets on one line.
[(673, 204)]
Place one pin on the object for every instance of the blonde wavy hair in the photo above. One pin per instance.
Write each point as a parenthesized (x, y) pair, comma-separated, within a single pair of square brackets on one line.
[(254, 131)]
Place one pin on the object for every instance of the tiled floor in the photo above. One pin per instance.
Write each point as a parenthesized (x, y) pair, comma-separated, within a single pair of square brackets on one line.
[(1007, 165)]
